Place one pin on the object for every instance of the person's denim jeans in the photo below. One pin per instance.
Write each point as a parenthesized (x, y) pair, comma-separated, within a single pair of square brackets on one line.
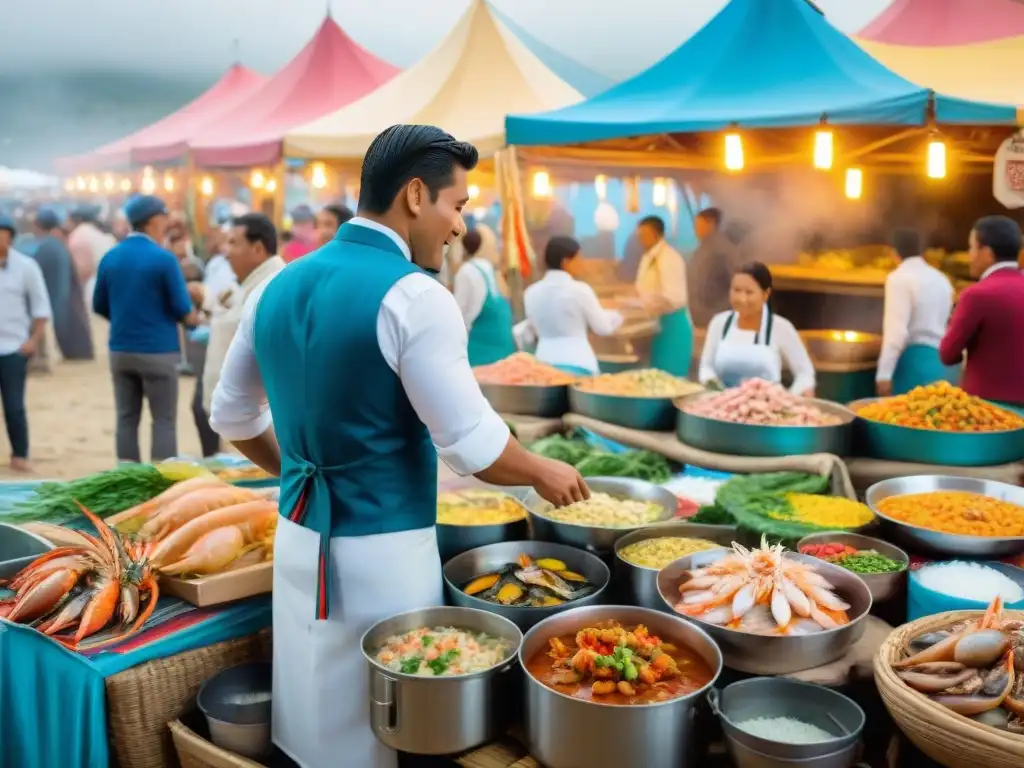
[(13, 373)]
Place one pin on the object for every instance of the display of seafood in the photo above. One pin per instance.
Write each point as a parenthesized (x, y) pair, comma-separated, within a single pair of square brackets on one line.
[(649, 382), (761, 403), (604, 511), (75, 591), (442, 652), (974, 668), (530, 583), (478, 507), (763, 592), (523, 370)]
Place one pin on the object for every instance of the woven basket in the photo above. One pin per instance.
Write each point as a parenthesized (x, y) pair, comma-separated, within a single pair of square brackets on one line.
[(196, 752), (141, 701), (946, 737)]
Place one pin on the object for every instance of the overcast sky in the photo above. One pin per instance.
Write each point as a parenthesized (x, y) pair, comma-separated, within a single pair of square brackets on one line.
[(194, 36)]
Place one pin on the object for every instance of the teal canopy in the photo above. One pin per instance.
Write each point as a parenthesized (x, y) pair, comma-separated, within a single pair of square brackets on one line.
[(757, 64)]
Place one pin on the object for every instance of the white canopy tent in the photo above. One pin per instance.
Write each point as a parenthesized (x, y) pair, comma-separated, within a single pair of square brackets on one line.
[(479, 73), (21, 180)]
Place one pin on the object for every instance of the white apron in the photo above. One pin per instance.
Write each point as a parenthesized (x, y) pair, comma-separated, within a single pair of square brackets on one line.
[(321, 704), (735, 361)]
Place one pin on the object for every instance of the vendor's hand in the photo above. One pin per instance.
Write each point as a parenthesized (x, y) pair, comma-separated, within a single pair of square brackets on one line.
[(28, 348), (559, 483), (196, 292), (883, 388)]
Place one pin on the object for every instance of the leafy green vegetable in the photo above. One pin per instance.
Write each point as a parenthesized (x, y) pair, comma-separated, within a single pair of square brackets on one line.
[(568, 449), (442, 662), (428, 640), (594, 462), (411, 665), (713, 514)]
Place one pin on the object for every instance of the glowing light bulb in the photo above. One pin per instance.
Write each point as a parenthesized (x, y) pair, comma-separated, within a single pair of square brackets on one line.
[(168, 183), (733, 152), (206, 186), (474, 191), (80, 183), (542, 185), (94, 184), (108, 182), (148, 186), (936, 159), (69, 185), (318, 178), (257, 180), (823, 150), (601, 186), (126, 185), (854, 183), (147, 171), (659, 192), (271, 186)]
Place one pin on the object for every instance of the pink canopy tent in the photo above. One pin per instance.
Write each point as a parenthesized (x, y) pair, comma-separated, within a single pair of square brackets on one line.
[(945, 22), (330, 72), (165, 140)]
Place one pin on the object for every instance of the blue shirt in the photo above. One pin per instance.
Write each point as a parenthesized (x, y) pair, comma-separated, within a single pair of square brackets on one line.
[(141, 291)]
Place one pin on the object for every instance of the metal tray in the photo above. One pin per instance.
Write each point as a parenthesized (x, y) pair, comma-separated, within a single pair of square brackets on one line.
[(18, 548), (654, 414), (929, 446), (548, 402), (754, 440)]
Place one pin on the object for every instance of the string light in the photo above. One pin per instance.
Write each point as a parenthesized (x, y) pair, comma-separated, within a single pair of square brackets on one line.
[(80, 183), (69, 185), (659, 193), (206, 186), (126, 184), (733, 152), (474, 191), (854, 183), (257, 180), (601, 186), (271, 186), (148, 186), (823, 150), (94, 184), (542, 185), (108, 182), (168, 183), (147, 171), (318, 178), (936, 159)]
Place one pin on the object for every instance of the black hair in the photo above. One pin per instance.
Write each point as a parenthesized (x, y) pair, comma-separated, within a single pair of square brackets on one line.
[(761, 275), (406, 152), (906, 243), (1001, 234), (714, 215), (258, 228), (340, 212), (654, 222), (472, 241), (560, 248)]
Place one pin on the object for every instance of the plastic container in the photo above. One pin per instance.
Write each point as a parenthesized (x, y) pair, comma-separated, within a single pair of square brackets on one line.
[(922, 601)]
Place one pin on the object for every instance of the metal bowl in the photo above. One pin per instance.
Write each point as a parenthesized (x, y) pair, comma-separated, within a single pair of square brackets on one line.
[(745, 757), (237, 724), (462, 568), (882, 585), (524, 400), (440, 715), (929, 446), (566, 732), (617, 363), (600, 541), (19, 548), (756, 440), (936, 542), (653, 414), (639, 585), (782, 654), (453, 540), (833, 346), (778, 697)]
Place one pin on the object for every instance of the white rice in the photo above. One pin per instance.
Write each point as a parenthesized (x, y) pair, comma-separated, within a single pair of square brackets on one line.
[(969, 581), (785, 730)]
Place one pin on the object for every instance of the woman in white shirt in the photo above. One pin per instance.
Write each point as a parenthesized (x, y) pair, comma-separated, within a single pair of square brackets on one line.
[(561, 311), (750, 341), (481, 294)]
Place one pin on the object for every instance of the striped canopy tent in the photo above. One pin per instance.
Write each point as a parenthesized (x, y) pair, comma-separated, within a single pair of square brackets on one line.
[(330, 71), (973, 49), (165, 140)]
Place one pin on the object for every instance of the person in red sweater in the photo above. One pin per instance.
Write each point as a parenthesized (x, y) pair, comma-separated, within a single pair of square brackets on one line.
[(988, 321)]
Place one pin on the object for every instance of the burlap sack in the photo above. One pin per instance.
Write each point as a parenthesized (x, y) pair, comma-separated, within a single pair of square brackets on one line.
[(866, 472)]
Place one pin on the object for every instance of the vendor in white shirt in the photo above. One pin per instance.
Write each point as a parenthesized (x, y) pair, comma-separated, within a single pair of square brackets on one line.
[(918, 302), (481, 295), (561, 311), (661, 284), (750, 341)]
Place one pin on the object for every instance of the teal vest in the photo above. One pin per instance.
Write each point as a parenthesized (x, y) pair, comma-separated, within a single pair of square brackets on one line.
[(355, 458), (490, 337)]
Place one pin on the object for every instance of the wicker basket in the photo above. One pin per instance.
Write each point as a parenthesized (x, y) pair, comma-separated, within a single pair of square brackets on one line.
[(946, 737), (141, 701), (196, 752)]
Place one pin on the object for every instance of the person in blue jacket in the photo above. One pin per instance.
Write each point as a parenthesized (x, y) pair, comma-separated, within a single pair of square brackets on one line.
[(141, 291)]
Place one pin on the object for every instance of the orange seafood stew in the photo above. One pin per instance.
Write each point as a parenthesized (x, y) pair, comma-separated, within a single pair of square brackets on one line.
[(610, 664)]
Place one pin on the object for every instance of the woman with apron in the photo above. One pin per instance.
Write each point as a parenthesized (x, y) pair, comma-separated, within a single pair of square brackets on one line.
[(561, 311), (750, 341), (661, 285), (485, 309)]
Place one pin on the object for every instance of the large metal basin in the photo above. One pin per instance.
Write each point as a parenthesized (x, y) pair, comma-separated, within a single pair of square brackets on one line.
[(600, 541), (461, 569), (782, 654), (564, 732), (883, 586), (833, 346), (929, 446), (455, 539), (440, 715), (639, 585), (926, 540), (548, 402), (653, 414), (754, 440)]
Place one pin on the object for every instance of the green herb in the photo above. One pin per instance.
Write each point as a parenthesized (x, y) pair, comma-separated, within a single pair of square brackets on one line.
[(595, 462), (869, 561), (411, 665), (712, 514), (442, 662), (427, 640), (568, 449)]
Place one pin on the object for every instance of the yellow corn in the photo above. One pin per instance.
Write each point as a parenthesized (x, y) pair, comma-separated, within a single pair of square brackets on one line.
[(825, 511)]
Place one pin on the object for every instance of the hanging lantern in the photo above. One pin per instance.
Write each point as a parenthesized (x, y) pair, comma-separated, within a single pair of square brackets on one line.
[(148, 185), (601, 186), (206, 186), (318, 176), (733, 152), (823, 150), (936, 159), (126, 184), (271, 186), (659, 192), (542, 185), (108, 183), (854, 183), (257, 180), (474, 191)]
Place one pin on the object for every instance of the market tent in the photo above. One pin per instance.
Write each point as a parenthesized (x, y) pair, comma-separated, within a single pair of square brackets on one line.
[(163, 141), (475, 76), (757, 64), (331, 71), (21, 179), (945, 22)]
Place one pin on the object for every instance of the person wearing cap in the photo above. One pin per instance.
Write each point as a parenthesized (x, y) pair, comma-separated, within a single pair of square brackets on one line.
[(360, 354), (24, 310), (141, 291), (67, 303), (88, 244), (304, 234)]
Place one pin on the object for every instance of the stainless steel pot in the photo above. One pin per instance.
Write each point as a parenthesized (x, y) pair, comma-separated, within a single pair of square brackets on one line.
[(639, 585), (440, 715), (523, 400), (461, 569), (564, 732), (883, 586), (237, 723), (456, 539), (600, 541)]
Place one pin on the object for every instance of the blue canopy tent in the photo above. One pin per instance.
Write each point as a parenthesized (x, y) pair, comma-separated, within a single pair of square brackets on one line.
[(757, 64)]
